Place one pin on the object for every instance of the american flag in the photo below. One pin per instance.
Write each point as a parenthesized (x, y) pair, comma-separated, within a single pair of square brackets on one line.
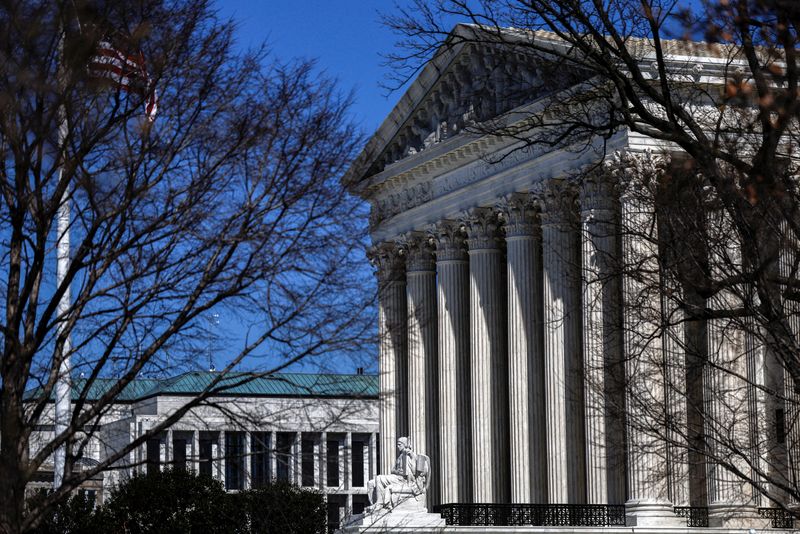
[(124, 71)]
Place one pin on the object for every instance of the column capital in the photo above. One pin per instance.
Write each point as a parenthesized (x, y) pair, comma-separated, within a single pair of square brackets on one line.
[(557, 198), (449, 238), (599, 191), (389, 261), (635, 170), (419, 250), (482, 227), (518, 214)]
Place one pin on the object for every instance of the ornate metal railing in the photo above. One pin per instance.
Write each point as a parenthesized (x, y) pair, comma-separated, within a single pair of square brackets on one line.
[(572, 515), (780, 517), (696, 516)]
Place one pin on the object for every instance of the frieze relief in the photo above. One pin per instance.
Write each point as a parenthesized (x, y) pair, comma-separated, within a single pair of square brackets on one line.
[(399, 195)]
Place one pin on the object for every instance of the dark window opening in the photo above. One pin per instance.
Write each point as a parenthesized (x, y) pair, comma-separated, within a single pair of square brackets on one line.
[(153, 455), (335, 509), (234, 460), (307, 466), (283, 455), (358, 464), (179, 454), (332, 463), (206, 450), (359, 503), (780, 426), (89, 496), (259, 459)]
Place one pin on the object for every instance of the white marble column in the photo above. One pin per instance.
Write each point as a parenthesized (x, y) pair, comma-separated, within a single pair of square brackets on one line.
[(648, 475), (680, 401), (528, 440), (566, 458), (273, 455), (731, 502), (787, 267), (221, 460), (455, 408), (295, 462), (195, 451), (323, 462), (347, 457), (682, 341), (392, 349), (730, 497), (604, 393), (423, 381), (168, 452), (246, 457), (372, 458), (488, 356)]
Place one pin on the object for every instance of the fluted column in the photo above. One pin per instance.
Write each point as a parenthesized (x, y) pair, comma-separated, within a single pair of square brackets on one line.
[(455, 407), (683, 344), (423, 405), (392, 348), (566, 458), (731, 502), (602, 341), (488, 357), (528, 440), (648, 476)]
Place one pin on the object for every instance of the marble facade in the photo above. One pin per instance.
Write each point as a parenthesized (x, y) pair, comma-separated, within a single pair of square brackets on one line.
[(508, 349)]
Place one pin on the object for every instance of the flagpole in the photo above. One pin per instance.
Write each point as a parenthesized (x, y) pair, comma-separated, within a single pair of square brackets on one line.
[(63, 385)]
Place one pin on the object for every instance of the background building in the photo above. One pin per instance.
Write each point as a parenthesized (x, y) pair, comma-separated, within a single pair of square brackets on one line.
[(315, 430)]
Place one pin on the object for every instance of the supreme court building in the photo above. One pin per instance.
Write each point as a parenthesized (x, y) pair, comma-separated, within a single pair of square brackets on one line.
[(513, 349)]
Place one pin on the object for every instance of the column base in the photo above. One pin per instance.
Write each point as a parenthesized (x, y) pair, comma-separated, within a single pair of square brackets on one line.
[(736, 516), (651, 513)]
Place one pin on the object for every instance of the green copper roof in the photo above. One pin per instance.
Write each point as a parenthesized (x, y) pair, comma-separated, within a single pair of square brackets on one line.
[(235, 384)]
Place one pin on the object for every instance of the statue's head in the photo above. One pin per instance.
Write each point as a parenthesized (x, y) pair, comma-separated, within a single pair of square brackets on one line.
[(403, 444)]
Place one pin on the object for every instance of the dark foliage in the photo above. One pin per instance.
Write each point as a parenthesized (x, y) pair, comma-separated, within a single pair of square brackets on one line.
[(178, 501)]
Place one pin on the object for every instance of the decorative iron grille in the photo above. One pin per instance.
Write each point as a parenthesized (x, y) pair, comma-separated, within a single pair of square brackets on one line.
[(696, 516), (572, 515), (780, 517)]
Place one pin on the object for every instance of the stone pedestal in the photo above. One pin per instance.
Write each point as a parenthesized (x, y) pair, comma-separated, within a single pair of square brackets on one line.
[(409, 514), (735, 516)]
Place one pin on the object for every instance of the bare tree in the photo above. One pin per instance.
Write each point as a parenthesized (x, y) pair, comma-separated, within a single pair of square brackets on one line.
[(714, 276), (228, 202)]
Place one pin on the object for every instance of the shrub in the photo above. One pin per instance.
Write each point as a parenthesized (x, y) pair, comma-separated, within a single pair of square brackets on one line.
[(172, 501), (281, 508)]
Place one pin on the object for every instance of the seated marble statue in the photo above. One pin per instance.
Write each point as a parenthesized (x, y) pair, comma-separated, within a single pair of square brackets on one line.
[(407, 481)]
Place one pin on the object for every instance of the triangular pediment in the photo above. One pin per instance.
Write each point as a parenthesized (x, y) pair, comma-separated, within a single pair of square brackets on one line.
[(469, 82)]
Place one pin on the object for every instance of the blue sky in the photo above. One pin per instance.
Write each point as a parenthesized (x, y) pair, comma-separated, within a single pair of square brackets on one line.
[(345, 36), (347, 39)]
